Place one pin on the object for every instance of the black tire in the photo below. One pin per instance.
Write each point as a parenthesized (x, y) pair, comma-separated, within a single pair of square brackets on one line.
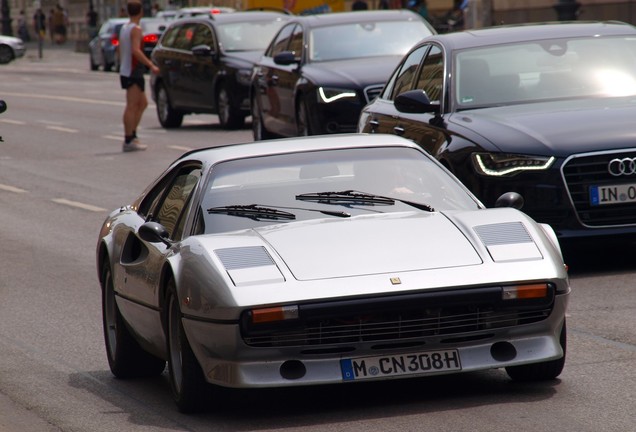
[(167, 115), (543, 371), (229, 116), (189, 388), (303, 127), (94, 66), (6, 54), (258, 128), (107, 66), (126, 358)]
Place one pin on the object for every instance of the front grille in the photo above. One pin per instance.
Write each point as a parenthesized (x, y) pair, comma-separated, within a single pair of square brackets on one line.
[(325, 325), (372, 92), (581, 173)]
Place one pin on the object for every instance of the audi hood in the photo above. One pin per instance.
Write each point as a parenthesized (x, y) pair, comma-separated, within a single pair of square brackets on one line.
[(555, 128)]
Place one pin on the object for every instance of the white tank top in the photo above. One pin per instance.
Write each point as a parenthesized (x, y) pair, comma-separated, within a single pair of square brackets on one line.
[(127, 63)]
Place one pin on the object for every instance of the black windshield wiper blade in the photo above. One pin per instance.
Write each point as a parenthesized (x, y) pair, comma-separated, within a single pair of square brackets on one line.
[(253, 211), (346, 197), (355, 197)]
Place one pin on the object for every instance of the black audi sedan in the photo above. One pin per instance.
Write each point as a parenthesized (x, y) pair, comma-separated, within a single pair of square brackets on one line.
[(206, 63), (320, 70), (544, 110)]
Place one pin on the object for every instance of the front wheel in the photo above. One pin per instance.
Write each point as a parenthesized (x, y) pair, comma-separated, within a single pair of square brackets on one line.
[(543, 371), (168, 116), (229, 116), (188, 385), (126, 358), (6, 54)]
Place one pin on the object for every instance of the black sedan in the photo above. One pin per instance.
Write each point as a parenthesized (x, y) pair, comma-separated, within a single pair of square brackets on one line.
[(206, 63), (320, 70), (545, 110)]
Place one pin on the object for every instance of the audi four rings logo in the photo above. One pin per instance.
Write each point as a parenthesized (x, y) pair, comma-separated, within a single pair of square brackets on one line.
[(622, 167)]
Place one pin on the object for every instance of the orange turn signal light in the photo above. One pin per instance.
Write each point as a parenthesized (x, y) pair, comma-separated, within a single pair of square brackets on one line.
[(279, 313), (530, 291)]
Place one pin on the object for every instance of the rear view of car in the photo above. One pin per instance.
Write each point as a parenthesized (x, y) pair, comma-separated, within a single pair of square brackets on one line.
[(103, 47)]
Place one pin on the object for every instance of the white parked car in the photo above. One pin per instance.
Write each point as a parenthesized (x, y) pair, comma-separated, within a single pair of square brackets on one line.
[(323, 260), (11, 48)]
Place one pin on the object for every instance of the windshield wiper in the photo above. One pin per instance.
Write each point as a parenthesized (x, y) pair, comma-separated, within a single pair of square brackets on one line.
[(350, 197), (253, 211)]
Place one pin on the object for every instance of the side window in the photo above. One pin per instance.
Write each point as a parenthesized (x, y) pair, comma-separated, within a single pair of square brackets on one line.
[(431, 78), (280, 43), (202, 36), (406, 75), (169, 212), (183, 40), (169, 37), (296, 43)]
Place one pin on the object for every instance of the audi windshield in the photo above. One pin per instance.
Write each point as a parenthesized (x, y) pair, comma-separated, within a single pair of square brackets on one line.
[(546, 70)]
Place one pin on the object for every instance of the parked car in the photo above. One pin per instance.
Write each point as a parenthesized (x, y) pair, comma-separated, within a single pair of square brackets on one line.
[(202, 11), (102, 48), (205, 65), (325, 260), (11, 48), (544, 110), (320, 70), (152, 29)]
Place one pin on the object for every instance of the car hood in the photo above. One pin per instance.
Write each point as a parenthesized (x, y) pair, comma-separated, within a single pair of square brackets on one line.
[(370, 245), (359, 73), (553, 128)]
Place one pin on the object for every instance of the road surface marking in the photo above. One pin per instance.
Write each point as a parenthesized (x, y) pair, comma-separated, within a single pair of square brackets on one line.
[(13, 189), (78, 205), (62, 129), (182, 148), (15, 122)]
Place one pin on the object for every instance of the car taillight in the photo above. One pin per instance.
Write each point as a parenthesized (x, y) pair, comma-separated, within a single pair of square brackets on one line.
[(151, 38), (215, 11), (114, 41)]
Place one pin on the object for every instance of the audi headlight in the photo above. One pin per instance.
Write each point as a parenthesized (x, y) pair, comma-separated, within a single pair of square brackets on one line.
[(244, 76), (329, 94), (502, 164)]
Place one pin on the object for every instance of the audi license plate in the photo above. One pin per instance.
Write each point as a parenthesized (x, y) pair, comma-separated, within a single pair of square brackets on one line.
[(613, 194), (401, 364)]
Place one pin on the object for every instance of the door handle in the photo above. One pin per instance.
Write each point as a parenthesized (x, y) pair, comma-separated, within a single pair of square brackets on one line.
[(398, 130)]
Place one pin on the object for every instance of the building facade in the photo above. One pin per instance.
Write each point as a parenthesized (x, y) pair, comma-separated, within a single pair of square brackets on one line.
[(480, 13)]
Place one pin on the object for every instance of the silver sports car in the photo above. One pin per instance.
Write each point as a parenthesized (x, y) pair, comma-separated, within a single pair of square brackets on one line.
[(325, 260)]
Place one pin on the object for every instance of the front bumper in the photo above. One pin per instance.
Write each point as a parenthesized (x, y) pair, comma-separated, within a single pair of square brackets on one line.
[(227, 361)]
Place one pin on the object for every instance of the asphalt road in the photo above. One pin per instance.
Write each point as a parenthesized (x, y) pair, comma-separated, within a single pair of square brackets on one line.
[(62, 170)]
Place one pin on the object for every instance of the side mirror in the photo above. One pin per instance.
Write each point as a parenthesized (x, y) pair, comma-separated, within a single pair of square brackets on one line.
[(286, 58), (510, 199), (3, 106), (203, 50), (415, 102), (154, 232)]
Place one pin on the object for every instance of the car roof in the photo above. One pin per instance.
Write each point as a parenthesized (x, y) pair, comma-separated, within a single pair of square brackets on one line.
[(242, 16), (213, 155), (328, 19), (500, 35)]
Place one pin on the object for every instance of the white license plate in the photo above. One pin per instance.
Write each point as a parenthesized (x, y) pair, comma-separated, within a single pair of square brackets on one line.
[(613, 194), (402, 364)]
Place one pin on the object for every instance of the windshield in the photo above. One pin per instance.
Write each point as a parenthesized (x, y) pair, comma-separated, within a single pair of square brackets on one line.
[(248, 36), (348, 41), (541, 70), (255, 192)]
